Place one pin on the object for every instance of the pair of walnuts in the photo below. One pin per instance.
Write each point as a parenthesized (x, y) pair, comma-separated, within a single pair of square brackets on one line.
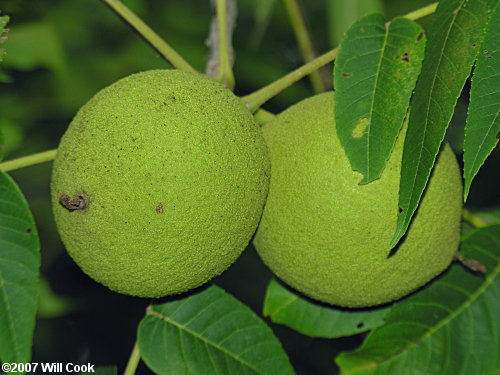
[(162, 179)]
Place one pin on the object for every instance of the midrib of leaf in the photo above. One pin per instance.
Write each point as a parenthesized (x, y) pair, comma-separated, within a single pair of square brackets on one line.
[(397, 235), (488, 281), (372, 104), (284, 306), (182, 327)]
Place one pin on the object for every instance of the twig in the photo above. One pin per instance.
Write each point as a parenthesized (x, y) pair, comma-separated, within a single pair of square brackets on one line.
[(27, 161), (164, 49), (220, 62), (133, 360), (304, 41)]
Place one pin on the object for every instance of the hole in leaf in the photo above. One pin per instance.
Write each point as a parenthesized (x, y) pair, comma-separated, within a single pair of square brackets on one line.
[(360, 325), (420, 36), (29, 231)]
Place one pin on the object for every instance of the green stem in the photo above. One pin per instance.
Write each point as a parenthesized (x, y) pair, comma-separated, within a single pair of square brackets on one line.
[(422, 12), (224, 71), (254, 100), (262, 116), (304, 41), (27, 161), (133, 360), (473, 219), (149, 35)]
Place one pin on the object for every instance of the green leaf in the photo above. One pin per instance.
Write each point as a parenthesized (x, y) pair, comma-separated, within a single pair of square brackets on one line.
[(341, 14), (4, 20), (210, 332), (449, 327), (284, 306), (450, 52), (375, 73), (19, 273), (35, 45), (483, 122)]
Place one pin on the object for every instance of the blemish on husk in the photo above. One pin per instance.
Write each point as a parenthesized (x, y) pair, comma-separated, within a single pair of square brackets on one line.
[(71, 204), (159, 208), (360, 128)]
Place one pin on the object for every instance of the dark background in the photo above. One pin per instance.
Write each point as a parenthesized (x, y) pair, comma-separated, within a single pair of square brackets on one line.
[(60, 53)]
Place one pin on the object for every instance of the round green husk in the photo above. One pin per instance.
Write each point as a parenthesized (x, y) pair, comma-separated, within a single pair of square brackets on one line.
[(328, 237), (173, 172)]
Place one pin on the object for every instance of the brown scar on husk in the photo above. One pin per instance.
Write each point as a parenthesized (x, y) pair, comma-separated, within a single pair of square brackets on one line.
[(471, 264), (72, 204), (159, 208)]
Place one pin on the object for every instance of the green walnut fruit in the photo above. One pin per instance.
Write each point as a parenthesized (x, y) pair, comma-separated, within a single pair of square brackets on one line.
[(328, 237), (159, 183)]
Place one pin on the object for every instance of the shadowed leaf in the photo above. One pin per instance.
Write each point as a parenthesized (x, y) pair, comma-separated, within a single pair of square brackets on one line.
[(284, 306), (483, 121)]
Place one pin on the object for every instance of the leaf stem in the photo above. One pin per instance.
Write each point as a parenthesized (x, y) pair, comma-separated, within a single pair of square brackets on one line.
[(422, 12), (164, 49), (224, 72), (304, 41), (133, 360), (28, 160), (262, 116), (254, 100), (473, 219)]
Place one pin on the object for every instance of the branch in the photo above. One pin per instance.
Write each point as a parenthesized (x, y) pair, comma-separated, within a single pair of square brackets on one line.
[(219, 65), (27, 161), (164, 49), (304, 41)]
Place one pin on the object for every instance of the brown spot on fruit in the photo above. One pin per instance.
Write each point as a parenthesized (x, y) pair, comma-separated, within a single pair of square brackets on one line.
[(159, 208), (72, 204)]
